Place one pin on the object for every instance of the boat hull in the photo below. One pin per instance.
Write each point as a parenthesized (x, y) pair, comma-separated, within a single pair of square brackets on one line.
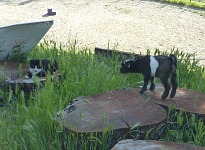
[(19, 39)]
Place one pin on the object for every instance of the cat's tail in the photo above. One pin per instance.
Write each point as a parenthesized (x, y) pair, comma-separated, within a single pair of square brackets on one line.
[(55, 65)]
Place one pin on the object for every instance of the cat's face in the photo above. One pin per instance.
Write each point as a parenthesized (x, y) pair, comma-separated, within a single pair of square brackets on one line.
[(35, 66)]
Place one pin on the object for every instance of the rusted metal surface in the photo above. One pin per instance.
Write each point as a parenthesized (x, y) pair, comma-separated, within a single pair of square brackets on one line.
[(122, 109), (12, 70), (119, 109), (153, 145), (14, 75), (188, 100), (108, 53)]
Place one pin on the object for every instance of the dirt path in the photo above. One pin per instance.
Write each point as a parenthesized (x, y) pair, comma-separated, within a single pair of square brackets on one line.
[(130, 25)]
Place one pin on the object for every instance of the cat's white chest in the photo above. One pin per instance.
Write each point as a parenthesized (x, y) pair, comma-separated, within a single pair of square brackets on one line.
[(35, 70)]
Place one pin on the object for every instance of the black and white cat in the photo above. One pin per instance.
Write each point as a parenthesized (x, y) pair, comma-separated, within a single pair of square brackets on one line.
[(41, 67)]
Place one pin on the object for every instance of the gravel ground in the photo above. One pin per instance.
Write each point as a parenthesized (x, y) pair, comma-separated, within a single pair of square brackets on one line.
[(129, 25)]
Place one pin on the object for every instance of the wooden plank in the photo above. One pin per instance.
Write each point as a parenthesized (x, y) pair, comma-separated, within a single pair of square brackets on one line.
[(107, 53)]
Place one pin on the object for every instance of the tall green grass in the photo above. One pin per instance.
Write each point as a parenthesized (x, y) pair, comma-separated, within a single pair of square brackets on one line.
[(32, 125), (185, 127)]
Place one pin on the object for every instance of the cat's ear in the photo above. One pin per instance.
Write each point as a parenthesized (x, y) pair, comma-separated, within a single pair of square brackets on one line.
[(31, 63), (34, 60)]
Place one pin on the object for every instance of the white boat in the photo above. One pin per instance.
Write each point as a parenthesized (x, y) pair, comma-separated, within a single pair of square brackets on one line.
[(21, 38)]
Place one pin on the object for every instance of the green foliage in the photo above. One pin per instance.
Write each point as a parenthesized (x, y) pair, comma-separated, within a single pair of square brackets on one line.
[(192, 3), (184, 127), (17, 56), (30, 124)]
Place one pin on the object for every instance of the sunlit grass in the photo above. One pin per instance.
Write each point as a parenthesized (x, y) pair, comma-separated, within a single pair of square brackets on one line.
[(192, 3), (34, 126), (184, 127)]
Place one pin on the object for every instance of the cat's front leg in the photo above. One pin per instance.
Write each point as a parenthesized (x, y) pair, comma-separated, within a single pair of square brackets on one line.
[(30, 75), (42, 73)]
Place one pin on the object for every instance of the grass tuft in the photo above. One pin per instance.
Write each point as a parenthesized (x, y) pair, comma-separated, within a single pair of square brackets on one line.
[(33, 125)]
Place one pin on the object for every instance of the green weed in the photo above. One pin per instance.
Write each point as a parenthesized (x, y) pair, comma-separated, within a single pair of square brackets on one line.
[(32, 125), (191, 3)]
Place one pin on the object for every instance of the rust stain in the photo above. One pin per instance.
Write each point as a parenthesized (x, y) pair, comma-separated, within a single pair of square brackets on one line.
[(120, 109)]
